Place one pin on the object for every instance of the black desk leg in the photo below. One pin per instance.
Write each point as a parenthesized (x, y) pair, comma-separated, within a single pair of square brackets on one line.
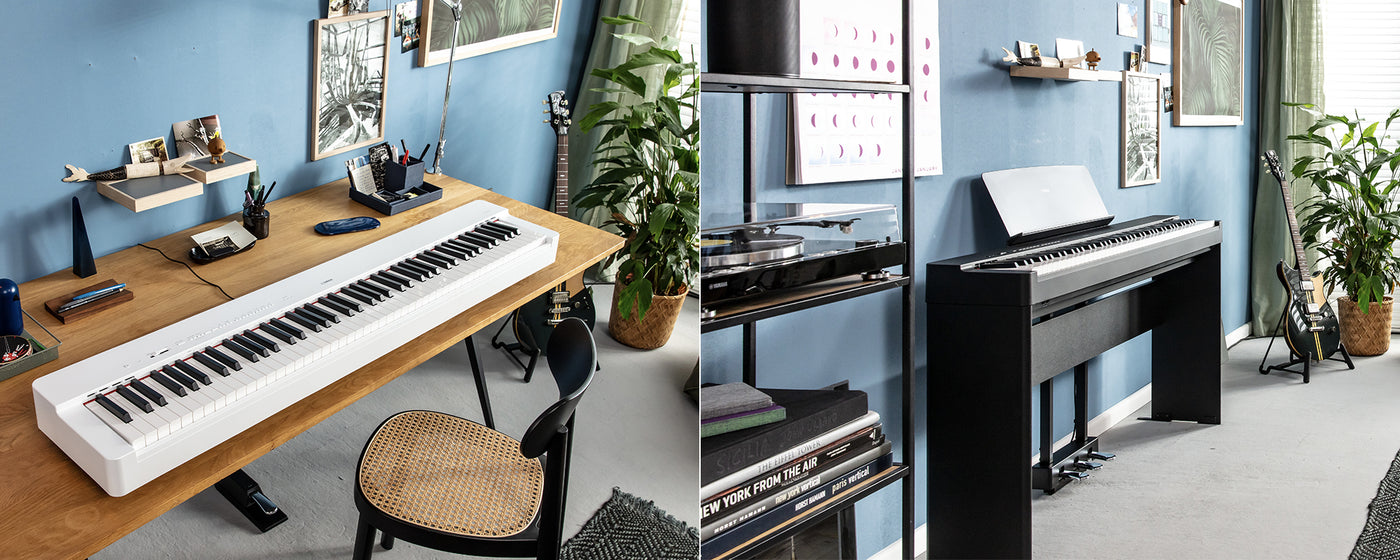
[(246, 496), (846, 533), (1186, 342), (481, 384)]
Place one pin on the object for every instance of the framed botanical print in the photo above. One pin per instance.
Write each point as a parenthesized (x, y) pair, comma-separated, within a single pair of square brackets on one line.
[(1142, 129), (351, 62), (486, 26), (1208, 53)]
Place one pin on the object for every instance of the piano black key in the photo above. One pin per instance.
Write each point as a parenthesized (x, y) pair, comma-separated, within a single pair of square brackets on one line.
[(470, 250), (280, 334), (288, 329), (439, 259), (250, 346), (407, 272), (336, 306), (261, 340), (394, 278), (326, 314), (485, 241), (358, 294), (423, 271), (487, 230), (169, 384), (297, 317), (151, 394), (425, 264), (384, 280), (346, 299), (181, 378), (317, 315), (427, 258), (375, 291), (237, 348), (510, 228), (451, 252), (192, 372), (497, 227), (223, 358), (115, 409), (135, 399)]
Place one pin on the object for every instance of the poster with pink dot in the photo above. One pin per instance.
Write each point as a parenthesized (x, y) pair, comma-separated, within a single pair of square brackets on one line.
[(837, 137)]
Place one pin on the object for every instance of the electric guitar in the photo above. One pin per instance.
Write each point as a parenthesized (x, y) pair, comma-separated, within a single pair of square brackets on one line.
[(1312, 326), (535, 321)]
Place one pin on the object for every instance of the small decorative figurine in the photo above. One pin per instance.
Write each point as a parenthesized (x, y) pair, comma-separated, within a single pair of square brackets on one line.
[(217, 148), (128, 171), (1093, 58)]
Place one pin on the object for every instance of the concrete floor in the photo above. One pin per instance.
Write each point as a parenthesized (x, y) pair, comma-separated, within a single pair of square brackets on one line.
[(635, 430), (1287, 474)]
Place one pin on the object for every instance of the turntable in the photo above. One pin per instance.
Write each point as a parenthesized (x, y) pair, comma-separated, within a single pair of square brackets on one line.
[(775, 246)]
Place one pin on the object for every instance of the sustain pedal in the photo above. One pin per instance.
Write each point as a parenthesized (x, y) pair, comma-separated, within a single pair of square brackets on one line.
[(1073, 475), (1087, 465), (1100, 456)]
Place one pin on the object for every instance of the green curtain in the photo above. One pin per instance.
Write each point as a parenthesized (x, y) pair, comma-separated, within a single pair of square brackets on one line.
[(608, 51), (1291, 69)]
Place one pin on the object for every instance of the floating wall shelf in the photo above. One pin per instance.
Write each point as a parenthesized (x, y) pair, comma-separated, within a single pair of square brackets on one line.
[(1066, 74)]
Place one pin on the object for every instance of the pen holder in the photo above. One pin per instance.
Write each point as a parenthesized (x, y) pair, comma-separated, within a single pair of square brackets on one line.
[(399, 177), (257, 221)]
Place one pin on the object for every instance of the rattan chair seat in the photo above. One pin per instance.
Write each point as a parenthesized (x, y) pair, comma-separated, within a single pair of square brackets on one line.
[(450, 474)]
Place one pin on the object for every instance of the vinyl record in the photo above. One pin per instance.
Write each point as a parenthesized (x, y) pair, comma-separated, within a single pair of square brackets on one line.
[(747, 247)]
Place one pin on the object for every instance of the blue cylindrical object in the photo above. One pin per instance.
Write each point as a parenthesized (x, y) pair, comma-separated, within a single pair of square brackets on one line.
[(11, 318)]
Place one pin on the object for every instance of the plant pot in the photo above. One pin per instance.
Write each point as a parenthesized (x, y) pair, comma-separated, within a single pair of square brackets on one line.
[(1365, 334), (651, 332)]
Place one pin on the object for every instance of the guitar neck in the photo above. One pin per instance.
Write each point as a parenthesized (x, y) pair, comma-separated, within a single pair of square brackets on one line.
[(561, 176), (1298, 251)]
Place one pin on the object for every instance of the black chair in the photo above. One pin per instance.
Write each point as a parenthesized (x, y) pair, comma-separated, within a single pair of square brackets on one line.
[(452, 484)]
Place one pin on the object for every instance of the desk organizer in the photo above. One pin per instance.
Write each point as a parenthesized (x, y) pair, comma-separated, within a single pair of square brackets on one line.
[(425, 193), (398, 176), (85, 310), (45, 351)]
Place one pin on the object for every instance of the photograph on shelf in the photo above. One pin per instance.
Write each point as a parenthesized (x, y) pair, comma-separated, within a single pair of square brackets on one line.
[(1142, 129), (192, 136), (1159, 31), (351, 65), (1209, 59), (1027, 49), (1068, 49), (486, 26), (406, 25), (148, 151), (1128, 20), (338, 8)]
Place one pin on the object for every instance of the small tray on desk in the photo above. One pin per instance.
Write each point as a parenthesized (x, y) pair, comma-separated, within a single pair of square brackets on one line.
[(45, 350), (423, 194), (88, 309)]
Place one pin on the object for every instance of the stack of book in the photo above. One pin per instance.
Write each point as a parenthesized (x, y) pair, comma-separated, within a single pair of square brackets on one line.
[(735, 406), (757, 479)]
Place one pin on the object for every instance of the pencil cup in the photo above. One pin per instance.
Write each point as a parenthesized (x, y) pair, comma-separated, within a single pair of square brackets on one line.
[(399, 177), (257, 221)]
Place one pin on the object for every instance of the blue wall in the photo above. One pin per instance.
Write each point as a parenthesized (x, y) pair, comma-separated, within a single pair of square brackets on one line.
[(990, 122), (84, 79)]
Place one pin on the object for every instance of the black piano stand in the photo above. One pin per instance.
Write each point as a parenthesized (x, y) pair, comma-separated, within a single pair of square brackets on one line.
[(519, 346), (246, 496), (1295, 359), (1057, 468)]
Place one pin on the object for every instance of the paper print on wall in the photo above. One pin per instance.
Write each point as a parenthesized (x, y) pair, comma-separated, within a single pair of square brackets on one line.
[(352, 60), (860, 136), (338, 8), (487, 26), (1142, 129), (1159, 31), (1128, 20), (406, 25), (1209, 58), (845, 41), (192, 136)]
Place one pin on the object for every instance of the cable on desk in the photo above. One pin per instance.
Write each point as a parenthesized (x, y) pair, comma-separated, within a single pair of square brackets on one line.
[(196, 274)]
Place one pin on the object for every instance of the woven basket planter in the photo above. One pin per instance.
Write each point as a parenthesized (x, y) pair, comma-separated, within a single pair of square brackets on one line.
[(1365, 334), (651, 332)]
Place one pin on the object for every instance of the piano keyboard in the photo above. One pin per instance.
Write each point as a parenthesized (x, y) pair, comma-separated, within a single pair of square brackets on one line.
[(1046, 260), (134, 412)]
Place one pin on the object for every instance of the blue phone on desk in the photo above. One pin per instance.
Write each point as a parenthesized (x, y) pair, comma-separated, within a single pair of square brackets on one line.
[(347, 225)]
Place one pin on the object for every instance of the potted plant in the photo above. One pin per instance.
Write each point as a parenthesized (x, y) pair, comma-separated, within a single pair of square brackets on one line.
[(1353, 221), (648, 161)]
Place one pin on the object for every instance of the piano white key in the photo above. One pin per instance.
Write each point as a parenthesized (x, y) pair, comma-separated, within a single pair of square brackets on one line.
[(128, 432)]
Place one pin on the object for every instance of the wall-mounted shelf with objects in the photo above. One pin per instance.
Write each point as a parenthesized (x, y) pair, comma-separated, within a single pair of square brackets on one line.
[(1066, 74), (144, 193), (234, 164)]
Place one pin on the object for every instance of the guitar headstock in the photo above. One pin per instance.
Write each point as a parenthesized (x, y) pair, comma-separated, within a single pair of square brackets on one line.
[(1275, 168), (558, 113)]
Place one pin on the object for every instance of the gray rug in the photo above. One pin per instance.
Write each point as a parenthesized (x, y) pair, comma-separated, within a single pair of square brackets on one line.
[(1380, 539), (630, 527)]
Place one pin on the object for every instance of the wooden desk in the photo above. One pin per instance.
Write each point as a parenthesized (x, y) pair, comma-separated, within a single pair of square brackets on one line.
[(49, 508)]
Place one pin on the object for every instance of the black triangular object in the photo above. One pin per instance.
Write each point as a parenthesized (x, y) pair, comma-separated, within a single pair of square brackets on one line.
[(83, 266)]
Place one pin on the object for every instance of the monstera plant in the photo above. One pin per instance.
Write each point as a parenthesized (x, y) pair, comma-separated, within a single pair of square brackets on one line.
[(1354, 220), (648, 163)]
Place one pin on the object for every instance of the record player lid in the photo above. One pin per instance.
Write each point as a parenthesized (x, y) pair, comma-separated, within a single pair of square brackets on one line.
[(725, 218)]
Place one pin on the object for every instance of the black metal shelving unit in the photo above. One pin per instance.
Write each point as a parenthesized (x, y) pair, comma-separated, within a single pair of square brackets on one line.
[(744, 314)]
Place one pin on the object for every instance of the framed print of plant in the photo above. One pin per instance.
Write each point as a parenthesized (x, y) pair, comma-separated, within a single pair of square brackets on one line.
[(1208, 51)]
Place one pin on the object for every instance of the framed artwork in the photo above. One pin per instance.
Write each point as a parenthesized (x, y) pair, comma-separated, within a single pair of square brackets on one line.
[(487, 26), (351, 62), (1142, 129), (1159, 31), (1208, 52)]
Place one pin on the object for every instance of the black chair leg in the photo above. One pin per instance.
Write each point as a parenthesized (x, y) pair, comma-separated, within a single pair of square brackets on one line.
[(364, 540), (480, 384), (388, 542)]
